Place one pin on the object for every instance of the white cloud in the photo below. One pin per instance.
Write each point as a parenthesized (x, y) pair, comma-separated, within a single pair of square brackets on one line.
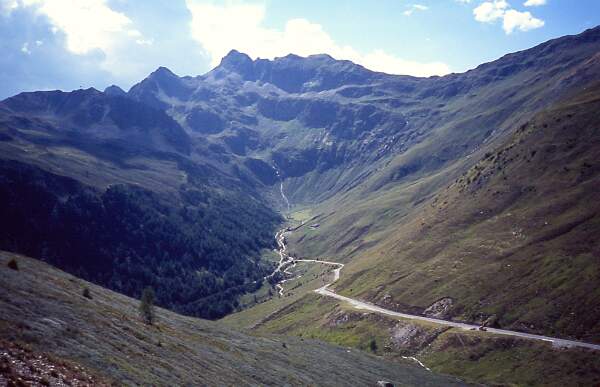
[(89, 26), (381, 61), (25, 48), (415, 7), (491, 11), (220, 28), (7, 6), (144, 42), (534, 3), (522, 21)]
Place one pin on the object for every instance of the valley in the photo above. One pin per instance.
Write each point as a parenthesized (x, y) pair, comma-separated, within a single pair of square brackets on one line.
[(307, 221)]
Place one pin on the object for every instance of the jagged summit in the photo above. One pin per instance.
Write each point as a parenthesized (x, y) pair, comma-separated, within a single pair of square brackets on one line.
[(114, 90), (238, 62), (321, 57), (293, 73), (161, 80), (235, 56), (162, 73), (88, 91)]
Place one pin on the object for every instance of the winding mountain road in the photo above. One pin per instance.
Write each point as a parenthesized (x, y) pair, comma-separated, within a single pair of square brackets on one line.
[(287, 262)]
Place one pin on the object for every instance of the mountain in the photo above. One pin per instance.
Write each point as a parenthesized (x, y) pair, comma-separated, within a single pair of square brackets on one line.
[(114, 90), (510, 242), (114, 190), (487, 218), (330, 124), (504, 233), (92, 116), (524, 216), (102, 335), (468, 196)]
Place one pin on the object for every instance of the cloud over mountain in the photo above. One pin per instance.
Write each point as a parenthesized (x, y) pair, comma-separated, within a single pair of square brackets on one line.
[(219, 28), (492, 11)]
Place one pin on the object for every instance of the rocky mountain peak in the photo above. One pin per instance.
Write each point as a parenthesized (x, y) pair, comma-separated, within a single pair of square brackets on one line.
[(294, 73), (114, 90), (239, 63), (161, 80), (236, 61), (162, 73)]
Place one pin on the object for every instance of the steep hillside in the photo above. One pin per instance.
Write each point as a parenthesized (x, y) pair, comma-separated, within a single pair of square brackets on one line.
[(490, 102), (511, 242), (44, 310), (473, 356), (116, 192)]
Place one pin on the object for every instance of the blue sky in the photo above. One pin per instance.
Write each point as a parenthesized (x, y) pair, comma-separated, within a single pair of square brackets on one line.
[(67, 44)]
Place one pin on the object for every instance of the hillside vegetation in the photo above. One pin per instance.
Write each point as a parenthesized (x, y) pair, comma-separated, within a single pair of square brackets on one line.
[(511, 241), (470, 355), (104, 187), (45, 310)]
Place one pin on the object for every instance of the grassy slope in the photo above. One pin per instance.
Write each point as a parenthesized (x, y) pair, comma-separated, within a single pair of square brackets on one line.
[(511, 239), (44, 308), (312, 276), (467, 354), (494, 99)]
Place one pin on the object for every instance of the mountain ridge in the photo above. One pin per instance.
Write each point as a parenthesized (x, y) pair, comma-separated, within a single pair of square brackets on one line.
[(408, 96)]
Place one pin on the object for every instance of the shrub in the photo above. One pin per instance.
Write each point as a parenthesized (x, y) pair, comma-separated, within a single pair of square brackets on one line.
[(147, 306), (86, 293), (13, 264), (373, 345)]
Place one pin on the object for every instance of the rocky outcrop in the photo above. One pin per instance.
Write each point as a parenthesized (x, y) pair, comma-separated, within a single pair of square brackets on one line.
[(439, 309)]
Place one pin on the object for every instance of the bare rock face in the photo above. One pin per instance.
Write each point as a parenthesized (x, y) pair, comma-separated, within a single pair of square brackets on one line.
[(440, 308), (339, 318), (21, 366), (402, 336), (408, 338)]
